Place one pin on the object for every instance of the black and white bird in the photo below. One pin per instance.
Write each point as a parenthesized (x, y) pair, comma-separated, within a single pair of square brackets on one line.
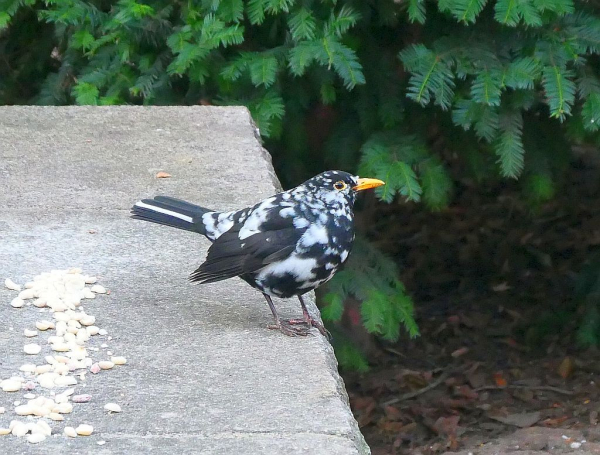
[(284, 246)]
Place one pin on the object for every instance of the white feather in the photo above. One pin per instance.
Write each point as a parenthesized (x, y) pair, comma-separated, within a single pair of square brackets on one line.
[(141, 204)]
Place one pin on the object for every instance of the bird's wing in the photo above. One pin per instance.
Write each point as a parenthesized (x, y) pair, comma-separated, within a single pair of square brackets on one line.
[(230, 256)]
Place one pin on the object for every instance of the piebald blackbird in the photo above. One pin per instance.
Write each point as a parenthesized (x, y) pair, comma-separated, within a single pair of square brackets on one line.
[(284, 246)]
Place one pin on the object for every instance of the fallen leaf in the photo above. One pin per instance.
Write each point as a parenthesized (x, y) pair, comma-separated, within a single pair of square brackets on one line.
[(499, 380), (466, 391), (502, 287), (565, 368), (554, 422), (446, 425), (392, 413), (523, 420), (460, 351), (162, 175)]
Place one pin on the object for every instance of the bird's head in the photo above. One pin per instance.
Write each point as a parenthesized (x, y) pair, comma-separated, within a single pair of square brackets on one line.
[(338, 186)]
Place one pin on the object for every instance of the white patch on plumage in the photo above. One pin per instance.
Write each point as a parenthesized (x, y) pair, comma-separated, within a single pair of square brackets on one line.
[(344, 255), (216, 224), (316, 233), (287, 212), (143, 205), (256, 219), (299, 268), (330, 266), (300, 223)]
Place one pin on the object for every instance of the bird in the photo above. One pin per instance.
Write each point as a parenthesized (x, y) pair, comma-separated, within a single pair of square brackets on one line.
[(284, 246)]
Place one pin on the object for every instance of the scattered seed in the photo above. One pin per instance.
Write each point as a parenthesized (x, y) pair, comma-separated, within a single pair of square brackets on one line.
[(85, 398), (102, 332), (118, 360), (19, 429), (27, 294), (43, 325), (9, 385), (29, 396), (112, 407), (2, 410), (98, 289), (27, 368), (95, 368), (70, 432), (32, 349), (17, 303), (63, 408), (30, 333), (4, 431), (56, 417), (84, 430), (35, 438), (106, 365), (10, 284)]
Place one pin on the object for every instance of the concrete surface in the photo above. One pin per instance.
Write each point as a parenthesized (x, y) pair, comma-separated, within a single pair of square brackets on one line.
[(204, 374)]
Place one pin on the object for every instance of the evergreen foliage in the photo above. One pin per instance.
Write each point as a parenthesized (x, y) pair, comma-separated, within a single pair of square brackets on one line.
[(395, 90)]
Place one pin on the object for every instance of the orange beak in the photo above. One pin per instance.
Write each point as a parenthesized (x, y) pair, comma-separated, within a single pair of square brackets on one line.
[(365, 184)]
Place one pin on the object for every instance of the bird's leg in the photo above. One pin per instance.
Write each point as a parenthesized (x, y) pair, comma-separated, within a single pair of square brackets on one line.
[(309, 320), (282, 325)]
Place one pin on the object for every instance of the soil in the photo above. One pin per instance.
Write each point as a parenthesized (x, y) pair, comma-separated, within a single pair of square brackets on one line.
[(497, 367)]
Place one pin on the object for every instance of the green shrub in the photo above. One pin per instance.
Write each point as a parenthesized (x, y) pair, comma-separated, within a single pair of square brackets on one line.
[(410, 89)]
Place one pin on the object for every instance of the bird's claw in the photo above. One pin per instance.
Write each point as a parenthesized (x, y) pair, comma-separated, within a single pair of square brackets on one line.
[(289, 329), (312, 322)]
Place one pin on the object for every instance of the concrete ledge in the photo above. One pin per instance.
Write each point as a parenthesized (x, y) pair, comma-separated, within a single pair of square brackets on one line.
[(204, 374)]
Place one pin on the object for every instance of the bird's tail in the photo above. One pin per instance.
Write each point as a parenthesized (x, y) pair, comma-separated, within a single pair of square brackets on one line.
[(171, 212)]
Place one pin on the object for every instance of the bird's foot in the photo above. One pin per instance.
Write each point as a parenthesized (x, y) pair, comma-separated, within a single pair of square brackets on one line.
[(287, 328), (309, 321)]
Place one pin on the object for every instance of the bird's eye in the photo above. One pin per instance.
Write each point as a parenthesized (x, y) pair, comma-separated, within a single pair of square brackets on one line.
[(340, 185)]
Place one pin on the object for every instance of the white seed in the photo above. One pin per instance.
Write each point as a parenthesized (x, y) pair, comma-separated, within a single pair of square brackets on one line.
[(2, 410), (61, 368), (39, 303), (27, 294), (63, 408), (61, 347), (10, 284), (29, 396), (24, 410), (69, 337), (98, 289), (46, 380), (17, 303), (112, 407), (35, 438), (45, 427), (53, 339), (59, 316), (56, 417), (43, 325), (19, 429), (106, 364), (70, 432), (95, 368), (65, 381), (102, 332), (93, 330), (84, 430), (73, 323), (9, 385), (27, 368), (88, 320), (29, 285), (40, 411), (118, 360), (30, 333), (41, 369), (4, 431), (88, 294), (32, 349)]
